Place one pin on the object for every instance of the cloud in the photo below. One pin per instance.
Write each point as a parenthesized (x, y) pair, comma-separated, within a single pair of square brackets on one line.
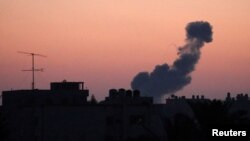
[(165, 79)]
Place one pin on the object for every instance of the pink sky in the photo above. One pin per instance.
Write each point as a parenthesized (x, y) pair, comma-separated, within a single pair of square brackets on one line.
[(105, 43)]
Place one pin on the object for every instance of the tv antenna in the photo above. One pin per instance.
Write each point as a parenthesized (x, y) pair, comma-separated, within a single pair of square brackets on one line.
[(33, 69)]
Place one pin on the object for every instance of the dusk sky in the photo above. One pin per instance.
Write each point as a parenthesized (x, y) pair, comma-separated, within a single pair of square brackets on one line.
[(105, 43)]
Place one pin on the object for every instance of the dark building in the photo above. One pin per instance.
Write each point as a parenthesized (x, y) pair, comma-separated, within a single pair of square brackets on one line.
[(63, 113), (60, 93)]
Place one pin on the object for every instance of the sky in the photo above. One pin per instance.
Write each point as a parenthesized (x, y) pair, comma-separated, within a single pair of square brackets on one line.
[(105, 43)]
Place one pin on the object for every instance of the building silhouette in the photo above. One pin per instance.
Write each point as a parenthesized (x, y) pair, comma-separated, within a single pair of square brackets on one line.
[(63, 113)]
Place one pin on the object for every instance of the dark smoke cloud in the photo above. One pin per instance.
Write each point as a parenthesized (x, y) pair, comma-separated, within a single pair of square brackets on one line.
[(200, 30), (167, 79)]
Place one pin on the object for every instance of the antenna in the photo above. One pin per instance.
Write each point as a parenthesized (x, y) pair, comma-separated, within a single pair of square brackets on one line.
[(33, 69)]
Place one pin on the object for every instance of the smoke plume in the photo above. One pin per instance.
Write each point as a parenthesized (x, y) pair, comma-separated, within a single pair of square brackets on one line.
[(167, 79)]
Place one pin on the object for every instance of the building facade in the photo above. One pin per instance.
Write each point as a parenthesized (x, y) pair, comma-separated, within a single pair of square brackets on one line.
[(63, 113)]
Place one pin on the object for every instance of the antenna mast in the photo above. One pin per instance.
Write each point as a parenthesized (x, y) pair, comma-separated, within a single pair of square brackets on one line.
[(33, 69)]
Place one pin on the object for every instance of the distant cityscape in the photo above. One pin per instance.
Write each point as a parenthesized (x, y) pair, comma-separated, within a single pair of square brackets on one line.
[(64, 113)]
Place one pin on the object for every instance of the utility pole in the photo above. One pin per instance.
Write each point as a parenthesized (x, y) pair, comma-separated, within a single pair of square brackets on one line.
[(33, 69)]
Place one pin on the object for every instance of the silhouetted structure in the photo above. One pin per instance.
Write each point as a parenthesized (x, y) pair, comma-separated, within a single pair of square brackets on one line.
[(63, 113)]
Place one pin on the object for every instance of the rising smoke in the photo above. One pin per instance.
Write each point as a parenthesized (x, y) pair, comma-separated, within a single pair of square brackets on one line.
[(167, 79)]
